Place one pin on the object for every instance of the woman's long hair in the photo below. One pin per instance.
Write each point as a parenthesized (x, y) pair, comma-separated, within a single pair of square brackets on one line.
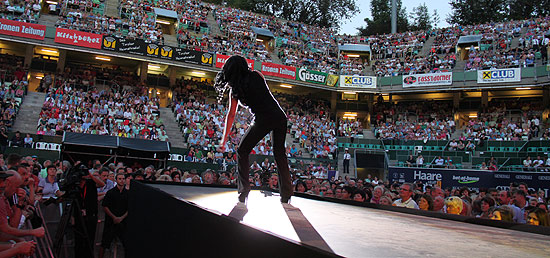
[(234, 74)]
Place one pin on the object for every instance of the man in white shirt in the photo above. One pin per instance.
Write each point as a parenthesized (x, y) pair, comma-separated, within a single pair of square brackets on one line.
[(405, 192), (347, 158)]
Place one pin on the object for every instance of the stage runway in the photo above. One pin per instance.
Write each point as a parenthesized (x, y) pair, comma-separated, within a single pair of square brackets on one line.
[(353, 231)]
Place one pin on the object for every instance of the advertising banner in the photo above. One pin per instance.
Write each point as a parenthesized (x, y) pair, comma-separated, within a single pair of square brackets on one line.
[(142, 48), (306, 75), (499, 75), (429, 79), (221, 59), (22, 29), (473, 179), (355, 81), (278, 70), (78, 38)]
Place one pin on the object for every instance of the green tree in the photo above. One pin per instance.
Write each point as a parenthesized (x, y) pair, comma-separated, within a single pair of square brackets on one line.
[(420, 17), (521, 9), (381, 18), (323, 13), (469, 12), (435, 19)]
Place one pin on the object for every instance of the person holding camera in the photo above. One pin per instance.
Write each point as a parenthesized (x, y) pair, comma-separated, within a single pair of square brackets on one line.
[(87, 198)]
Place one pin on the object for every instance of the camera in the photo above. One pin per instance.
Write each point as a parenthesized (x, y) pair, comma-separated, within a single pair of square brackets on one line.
[(70, 182)]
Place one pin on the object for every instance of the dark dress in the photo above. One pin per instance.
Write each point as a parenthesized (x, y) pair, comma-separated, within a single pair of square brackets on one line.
[(268, 117)]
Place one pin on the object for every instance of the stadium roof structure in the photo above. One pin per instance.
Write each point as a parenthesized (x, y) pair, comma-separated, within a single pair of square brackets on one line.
[(354, 48), (469, 39), (166, 13), (262, 32)]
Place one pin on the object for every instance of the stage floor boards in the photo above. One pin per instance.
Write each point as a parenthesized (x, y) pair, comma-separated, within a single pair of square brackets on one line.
[(353, 231)]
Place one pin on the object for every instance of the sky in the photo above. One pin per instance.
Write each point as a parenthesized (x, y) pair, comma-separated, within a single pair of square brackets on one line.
[(349, 27)]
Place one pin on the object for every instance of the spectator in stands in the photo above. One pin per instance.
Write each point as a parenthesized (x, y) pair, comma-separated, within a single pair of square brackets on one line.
[(503, 213), (405, 194), (17, 140), (438, 203), (487, 203), (420, 161), (527, 164), (519, 201), (454, 205), (424, 202), (538, 217), (453, 145), (411, 162), (439, 162), (538, 164), (28, 141)]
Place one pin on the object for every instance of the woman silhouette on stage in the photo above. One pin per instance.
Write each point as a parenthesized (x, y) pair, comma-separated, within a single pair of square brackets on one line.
[(250, 89)]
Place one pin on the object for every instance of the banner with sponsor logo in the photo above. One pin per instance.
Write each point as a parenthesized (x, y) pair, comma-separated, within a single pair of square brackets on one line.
[(78, 38), (22, 29), (499, 75), (306, 75), (429, 79), (221, 59), (355, 81), (278, 70), (332, 80), (142, 48), (473, 179)]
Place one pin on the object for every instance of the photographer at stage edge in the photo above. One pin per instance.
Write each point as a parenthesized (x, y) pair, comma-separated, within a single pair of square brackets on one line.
[(88, 204)]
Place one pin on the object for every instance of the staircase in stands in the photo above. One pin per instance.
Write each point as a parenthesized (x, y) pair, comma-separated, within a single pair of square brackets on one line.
[(27, 117)]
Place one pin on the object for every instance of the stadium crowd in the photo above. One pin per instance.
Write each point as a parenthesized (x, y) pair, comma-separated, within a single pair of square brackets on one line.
[(73, 104), (414, 121)]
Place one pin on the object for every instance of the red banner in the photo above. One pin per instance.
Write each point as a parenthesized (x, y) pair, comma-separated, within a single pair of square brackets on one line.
[(22, 29), (278, 70), (221, 59), (78, 38)]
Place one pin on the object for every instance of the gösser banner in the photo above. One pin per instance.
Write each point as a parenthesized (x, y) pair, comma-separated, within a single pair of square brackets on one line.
[(78, 38), (278, 70), (473, 179), (430, 79), (306, 75), (22, 29), (357, 81), (499, 75), (142, 48), (221, 59)]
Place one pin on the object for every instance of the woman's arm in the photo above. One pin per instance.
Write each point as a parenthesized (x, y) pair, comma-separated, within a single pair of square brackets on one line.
[(233, 104)]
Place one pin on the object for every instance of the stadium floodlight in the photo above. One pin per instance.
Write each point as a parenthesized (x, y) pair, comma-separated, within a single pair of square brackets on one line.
[(353, 55), (49, 51), (103, 58), (260, 40), (349, 92), (163, 22), (523, 88), (51, 2), (472, 116), (39, 77), (153, 66), (198, 73), (286, 86)]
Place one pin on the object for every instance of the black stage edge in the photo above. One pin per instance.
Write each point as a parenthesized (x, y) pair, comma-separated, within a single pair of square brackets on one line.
[(160, 225)]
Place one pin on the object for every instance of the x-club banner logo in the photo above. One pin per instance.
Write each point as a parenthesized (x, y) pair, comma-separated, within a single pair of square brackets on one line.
[(355, 81), (221, 59), (22, 29), (430, 79), (78, 38), (499, 75)]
